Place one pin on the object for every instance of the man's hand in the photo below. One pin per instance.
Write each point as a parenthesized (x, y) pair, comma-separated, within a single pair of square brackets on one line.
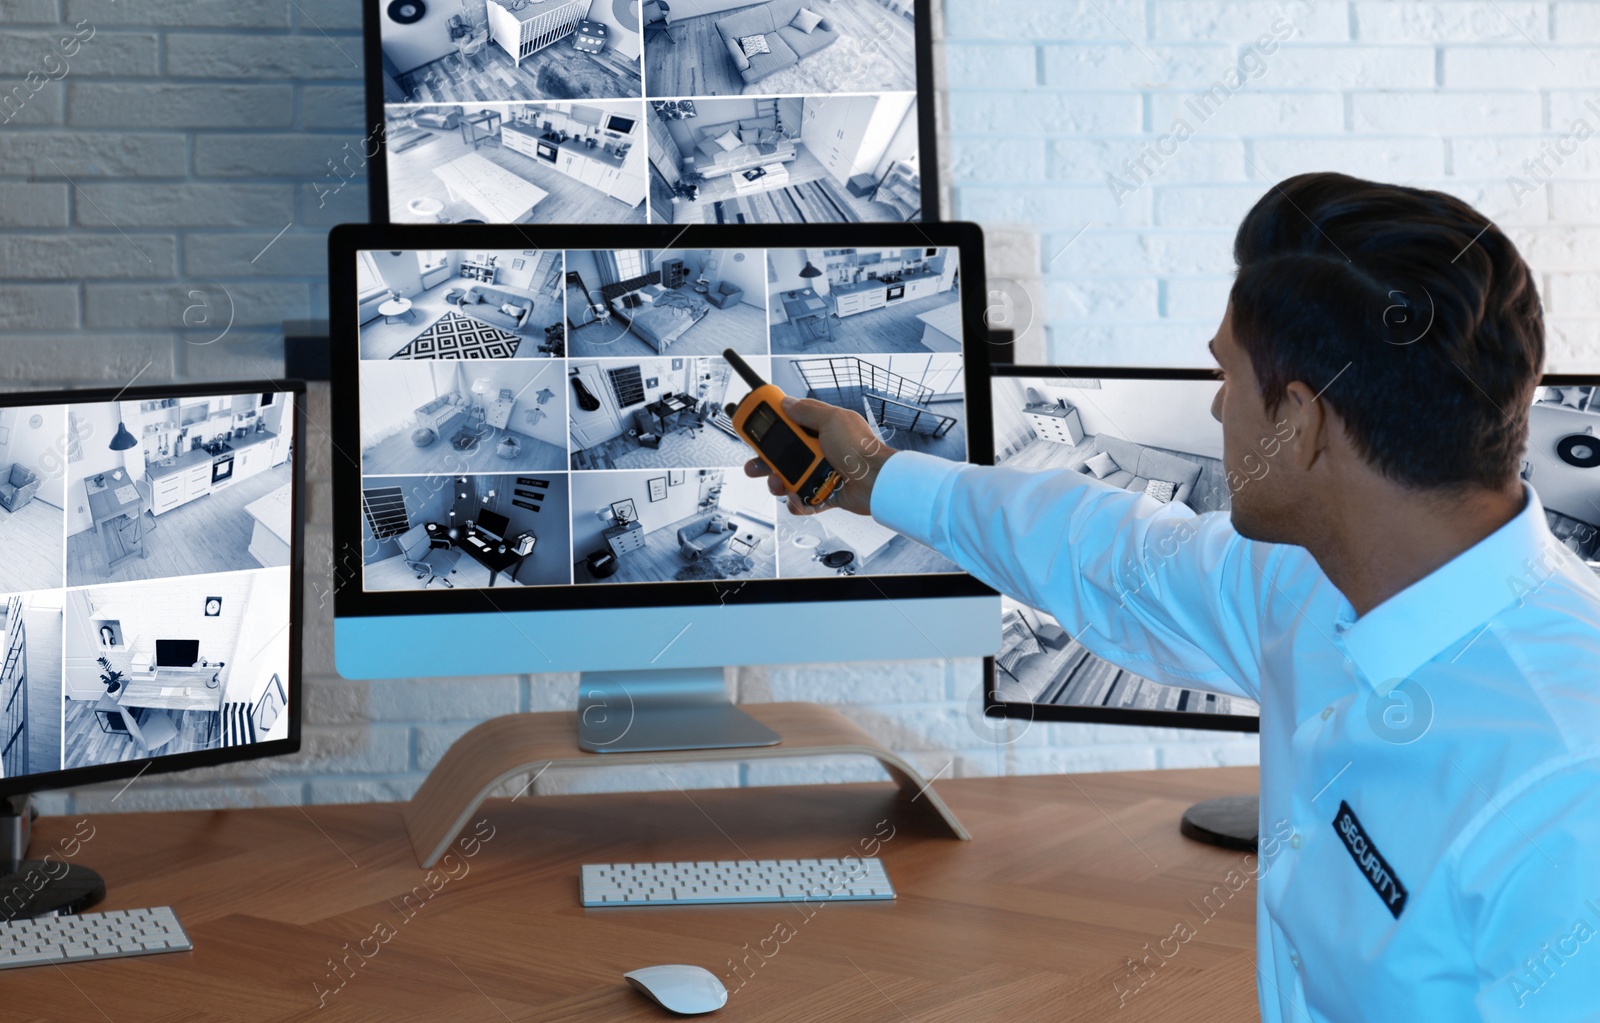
[(848, 444)]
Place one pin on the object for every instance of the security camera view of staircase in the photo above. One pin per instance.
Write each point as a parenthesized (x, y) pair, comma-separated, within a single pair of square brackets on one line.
[(914, 401)]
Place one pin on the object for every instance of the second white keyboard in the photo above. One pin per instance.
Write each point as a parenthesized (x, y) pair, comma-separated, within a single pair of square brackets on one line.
[(709, 882), (53, 940)]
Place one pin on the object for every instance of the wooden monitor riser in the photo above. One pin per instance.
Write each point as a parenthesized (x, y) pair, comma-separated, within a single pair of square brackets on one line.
[(507, 747)]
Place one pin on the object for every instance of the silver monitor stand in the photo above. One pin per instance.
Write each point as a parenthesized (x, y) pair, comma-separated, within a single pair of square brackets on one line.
[(662, 709)]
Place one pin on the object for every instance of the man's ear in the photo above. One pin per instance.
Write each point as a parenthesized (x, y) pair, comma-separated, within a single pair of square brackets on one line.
[(1303, 423)]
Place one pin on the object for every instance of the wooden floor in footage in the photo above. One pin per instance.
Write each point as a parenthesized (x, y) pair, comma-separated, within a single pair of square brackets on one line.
[(570, 201), (31, 540), (209, 534), (557, 72), (88, 744), (879, 332), (694, 61), (661, 558), (742, 327), (812, 196)]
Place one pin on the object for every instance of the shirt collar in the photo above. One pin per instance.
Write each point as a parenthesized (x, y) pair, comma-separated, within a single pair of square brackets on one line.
[(1409, 629)]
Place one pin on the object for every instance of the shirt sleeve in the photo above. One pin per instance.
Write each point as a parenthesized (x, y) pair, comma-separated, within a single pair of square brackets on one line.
[(1151, 587), (1530, 898)]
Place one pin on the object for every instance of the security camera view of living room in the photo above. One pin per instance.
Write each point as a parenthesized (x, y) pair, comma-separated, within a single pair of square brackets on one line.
[(517, 163), (792, 159), (178, 486), (633, 302), (454, 304), (30, 682), (33, 471), (729, 47), (673, 525), (913, 402), (658, 413), (1153, 436), (1038, 662), (175, 666), (455, 417), (864, 300), (465, 532), (1563, 465)]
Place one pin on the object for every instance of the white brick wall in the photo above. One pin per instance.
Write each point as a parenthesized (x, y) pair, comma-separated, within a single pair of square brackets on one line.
[(188, 133), (1452, 94)]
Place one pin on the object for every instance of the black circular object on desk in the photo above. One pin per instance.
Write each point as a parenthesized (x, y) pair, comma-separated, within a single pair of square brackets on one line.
[(1230, 822), (407, 12), (838, 559), (45, 887), (1579, 449)]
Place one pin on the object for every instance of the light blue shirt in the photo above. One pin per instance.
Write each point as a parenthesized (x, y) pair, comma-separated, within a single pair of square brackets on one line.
[(1431, 847)]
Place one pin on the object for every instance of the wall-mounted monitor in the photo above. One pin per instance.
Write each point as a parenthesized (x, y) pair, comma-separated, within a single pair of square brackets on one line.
[(638, 111)]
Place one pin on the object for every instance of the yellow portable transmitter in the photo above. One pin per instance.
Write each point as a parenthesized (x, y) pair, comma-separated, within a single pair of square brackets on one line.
[(790, 450)]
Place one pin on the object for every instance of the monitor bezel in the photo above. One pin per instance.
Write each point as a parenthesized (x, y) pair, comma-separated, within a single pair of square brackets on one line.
[(997, 708), (76, 776), (350, 600), (374, 158)]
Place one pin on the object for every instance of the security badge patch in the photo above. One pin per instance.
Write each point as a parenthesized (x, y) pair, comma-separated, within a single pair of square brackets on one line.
[(1371, 862)]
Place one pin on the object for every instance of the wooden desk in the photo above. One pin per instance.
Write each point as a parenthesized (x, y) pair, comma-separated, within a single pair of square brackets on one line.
[(1065, 880)]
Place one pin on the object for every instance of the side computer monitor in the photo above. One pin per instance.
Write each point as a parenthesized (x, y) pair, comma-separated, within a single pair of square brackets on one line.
[(149, 589), (1156, 428), (585, 412), (647, 111)]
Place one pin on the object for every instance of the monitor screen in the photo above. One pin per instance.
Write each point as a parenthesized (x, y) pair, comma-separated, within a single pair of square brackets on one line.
[(177, 653), (148, 588), (1152, 430), (580, 396), (637, 111), (493, 523)]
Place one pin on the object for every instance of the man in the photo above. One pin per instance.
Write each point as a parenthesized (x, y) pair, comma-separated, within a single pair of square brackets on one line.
[(1382, 557)]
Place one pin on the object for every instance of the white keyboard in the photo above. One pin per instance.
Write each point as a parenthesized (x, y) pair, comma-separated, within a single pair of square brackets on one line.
[(706, 882), (76, 938)]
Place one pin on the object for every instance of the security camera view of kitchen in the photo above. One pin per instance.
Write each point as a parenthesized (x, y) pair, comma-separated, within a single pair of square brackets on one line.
[(178, 486), (868, 301)]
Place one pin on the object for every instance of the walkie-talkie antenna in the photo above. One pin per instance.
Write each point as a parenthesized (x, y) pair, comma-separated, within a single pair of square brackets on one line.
[(751, 377)]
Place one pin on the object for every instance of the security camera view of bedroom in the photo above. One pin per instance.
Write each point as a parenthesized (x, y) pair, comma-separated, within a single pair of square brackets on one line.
[(144, 591), (612, 457), (1157, 437), (627, 111)]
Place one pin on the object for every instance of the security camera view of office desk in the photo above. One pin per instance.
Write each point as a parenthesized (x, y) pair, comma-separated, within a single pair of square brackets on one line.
[(648, 485)]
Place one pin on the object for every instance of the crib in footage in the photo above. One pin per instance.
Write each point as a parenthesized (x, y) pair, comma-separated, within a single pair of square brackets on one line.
[(522, 33)]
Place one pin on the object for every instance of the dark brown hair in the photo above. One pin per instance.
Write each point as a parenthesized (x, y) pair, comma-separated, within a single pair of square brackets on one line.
[(1415, 313)]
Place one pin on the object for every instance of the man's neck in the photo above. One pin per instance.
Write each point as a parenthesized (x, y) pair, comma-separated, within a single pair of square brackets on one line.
[(1386, 537)]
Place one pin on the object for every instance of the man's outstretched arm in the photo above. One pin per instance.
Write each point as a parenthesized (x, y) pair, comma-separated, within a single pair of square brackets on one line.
[(1151, 587)]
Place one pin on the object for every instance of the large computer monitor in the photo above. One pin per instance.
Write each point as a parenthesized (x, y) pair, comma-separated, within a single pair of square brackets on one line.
[(647, 111), (585, 416), (1157, 429), (150, 595)]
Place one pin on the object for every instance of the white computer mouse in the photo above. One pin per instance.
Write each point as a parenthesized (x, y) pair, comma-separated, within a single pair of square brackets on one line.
[(687, 990)]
